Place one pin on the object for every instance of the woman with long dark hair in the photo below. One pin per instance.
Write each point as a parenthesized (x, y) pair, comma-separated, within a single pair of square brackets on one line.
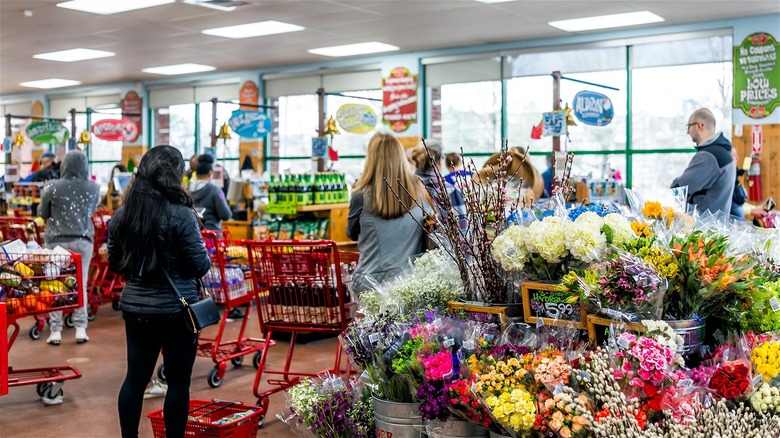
[(155, 234)]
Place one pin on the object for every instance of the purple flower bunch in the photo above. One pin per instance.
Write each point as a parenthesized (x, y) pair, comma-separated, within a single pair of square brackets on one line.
[(433, 400), (508, 351), (332, 416), (626, 283), (362, 337)]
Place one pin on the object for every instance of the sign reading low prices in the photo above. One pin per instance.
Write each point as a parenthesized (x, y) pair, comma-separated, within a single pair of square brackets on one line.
[(249, 123), (47, 132), (593, 108), (399, 99), (124, 130), (356, 118), (756, 75)]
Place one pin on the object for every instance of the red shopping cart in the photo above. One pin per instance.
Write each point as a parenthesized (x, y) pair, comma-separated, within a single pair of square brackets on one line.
[(22, 228), (303, 291), (35, 284), (229, 286), (214, 419), (104, 285)]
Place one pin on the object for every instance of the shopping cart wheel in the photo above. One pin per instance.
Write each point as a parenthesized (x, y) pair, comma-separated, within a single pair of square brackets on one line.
[(52, 395), (214, 380), (256, 359), (237, 361), (161, 372), (115, 304), (69, 320), (41, 388), (35, 332), (263, 402)]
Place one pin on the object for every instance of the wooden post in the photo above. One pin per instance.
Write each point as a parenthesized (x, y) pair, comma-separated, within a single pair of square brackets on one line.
[(556, 106), (214, 126), (321, 123)]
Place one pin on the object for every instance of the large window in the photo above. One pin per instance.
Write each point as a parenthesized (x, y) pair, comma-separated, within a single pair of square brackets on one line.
[(103, 154), (227, 152)]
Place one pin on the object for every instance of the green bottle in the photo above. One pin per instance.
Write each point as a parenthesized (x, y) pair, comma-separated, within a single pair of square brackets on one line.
[(319, 190), (272, 191)]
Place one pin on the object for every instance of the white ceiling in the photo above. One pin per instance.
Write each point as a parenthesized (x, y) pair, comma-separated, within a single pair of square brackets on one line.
[(171, 34)]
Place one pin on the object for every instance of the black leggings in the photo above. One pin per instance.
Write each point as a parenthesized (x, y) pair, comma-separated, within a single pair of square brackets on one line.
[(146, 336)]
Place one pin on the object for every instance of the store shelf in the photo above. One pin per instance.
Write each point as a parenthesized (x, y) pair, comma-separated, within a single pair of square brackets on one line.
[(316, 207)]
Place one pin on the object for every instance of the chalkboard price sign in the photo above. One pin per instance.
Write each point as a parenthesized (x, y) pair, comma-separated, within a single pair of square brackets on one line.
[(544, 300)]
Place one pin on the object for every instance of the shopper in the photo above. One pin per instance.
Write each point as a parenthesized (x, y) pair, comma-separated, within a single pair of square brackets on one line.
[(454, 165), (426, 161), (711, 173), (68, 205), (378, 220), (209, 200), (153, 235)]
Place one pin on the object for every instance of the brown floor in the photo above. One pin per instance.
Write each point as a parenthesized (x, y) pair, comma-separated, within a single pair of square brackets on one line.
[(89, 408)]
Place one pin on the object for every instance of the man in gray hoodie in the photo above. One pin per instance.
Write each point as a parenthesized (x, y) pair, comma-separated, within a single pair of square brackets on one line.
[(209, 200), (68, 205), (711, 173)]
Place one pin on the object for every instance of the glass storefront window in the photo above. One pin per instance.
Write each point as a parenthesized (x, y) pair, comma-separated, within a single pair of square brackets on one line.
[(471, 116), (181, 128), (227, 152), (650, 179), (298, 123)]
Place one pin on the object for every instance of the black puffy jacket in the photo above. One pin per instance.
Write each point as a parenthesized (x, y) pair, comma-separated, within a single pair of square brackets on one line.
[(181, 249)]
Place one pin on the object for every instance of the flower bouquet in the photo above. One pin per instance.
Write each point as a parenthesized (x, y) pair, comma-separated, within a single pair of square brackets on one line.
[(564, 413)]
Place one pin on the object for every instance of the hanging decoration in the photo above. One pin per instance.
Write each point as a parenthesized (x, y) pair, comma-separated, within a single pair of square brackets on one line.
[(19, 140), (48, 131), (84, 138), (124, 130), (592, 108), (356, 118)]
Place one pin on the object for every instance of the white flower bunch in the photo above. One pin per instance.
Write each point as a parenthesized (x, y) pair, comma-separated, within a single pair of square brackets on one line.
[(662, 333), (302, 399), (509, 248), (620, 226), (548, 238), (766, 399), (584, 238)]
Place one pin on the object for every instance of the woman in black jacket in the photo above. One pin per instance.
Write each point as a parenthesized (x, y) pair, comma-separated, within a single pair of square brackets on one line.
[(154, 232)]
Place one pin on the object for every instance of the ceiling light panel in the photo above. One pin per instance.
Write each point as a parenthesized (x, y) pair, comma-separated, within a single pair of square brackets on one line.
[(74, 55), (50, 83), (494, 1), (178, 69), (606, 21), (250, 30), (354, 49), (108, 7)]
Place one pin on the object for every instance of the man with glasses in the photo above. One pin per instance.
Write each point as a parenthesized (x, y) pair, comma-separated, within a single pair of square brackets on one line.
[(711, 173)]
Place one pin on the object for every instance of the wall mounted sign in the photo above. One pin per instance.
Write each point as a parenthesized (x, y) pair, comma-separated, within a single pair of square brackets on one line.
[(124, 130), (248, 94), (249, 123), (356, 118), (757, 75), (593, 108), (132, 105), (47, 132), (554, 123), (399, 99)]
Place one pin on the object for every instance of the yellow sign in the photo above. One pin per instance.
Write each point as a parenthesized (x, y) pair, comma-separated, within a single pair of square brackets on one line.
[(356, 118)]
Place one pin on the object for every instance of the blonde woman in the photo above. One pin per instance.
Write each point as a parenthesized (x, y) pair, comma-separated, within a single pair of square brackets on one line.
[(386, 234)]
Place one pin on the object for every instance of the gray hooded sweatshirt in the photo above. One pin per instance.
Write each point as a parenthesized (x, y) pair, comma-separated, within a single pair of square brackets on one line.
[(210, 198), (68, 203)]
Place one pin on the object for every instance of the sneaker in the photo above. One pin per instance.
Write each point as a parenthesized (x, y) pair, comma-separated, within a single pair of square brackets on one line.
[(54, 338), (81, 335), (52, 401), (235, 314), (156, 389)]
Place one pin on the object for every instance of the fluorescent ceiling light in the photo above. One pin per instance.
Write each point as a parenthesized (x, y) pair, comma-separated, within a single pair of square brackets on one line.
[(494, 1), (108, 7), (217, 5), (354, 49), (606, 21), (73, 55), (178, 69), (50, 83), (250, 30)]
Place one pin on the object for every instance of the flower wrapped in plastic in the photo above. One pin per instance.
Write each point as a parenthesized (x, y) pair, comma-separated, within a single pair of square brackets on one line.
[(732, 378), (765, 359), (564, 412)]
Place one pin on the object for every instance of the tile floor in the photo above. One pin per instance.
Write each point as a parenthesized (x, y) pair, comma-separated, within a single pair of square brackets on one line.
[(89, 408)]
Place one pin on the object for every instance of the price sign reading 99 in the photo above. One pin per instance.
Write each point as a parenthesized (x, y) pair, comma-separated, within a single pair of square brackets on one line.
[(555, 305)]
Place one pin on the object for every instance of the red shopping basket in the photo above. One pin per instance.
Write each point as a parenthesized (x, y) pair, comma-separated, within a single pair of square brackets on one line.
[(204, 413)]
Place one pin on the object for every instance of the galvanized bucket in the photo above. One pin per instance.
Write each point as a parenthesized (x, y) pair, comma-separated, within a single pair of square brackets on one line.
[(454, 428), (397, 420), (692, 332)]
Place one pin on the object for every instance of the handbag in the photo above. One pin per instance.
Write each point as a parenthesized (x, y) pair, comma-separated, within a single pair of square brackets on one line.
[(199, 315)]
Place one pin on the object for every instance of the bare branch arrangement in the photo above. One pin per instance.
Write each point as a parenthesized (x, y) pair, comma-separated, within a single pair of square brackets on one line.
[(486, 204)]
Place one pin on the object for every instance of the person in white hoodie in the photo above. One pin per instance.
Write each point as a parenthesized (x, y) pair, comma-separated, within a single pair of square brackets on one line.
[(209, 200)]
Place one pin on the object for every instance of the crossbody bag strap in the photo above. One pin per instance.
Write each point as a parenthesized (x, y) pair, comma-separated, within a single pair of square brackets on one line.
[(175, 289)]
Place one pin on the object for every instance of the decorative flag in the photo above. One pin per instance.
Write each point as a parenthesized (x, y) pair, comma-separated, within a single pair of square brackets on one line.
[(536, 131)]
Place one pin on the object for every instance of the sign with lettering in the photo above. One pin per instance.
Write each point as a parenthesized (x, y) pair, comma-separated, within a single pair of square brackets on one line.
[(399, 99), (600, 328), (593, 108), (249, 123), (47, 132), (554, 123), (132, 106), (356, 118), (248, 94), (115, 130), (319, 147), (544, 300), (756, 75)]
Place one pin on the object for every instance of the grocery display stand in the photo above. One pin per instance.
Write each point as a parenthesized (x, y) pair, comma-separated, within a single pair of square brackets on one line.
[(36, 284), (304, 291), (227, 285)]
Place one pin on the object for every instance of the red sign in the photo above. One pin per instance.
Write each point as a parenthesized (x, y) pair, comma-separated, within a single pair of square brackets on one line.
[(757, 139), (124, 130), (399, 99), (248, 94), (132, 105)]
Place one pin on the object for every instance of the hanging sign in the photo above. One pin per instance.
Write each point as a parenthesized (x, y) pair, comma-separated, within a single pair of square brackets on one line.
[(554, 123), (319, 147), (356, 118), (47, 132), (593, 108), (133, 104), (399, 99), (757, 75), (249, 124), (124, 130)]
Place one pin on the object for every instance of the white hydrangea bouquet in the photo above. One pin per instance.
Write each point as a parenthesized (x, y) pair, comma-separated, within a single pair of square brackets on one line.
[(546, 249)]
